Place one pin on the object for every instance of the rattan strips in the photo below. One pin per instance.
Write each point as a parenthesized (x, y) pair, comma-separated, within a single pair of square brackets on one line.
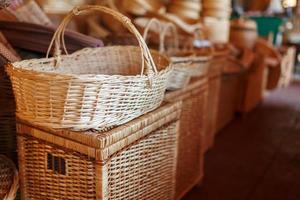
[(97, 88)]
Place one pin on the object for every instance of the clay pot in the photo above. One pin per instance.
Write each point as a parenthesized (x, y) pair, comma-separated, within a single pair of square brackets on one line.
[(243, 33)]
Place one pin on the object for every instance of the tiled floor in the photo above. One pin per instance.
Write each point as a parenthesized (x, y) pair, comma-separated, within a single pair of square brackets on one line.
[(257, 157)]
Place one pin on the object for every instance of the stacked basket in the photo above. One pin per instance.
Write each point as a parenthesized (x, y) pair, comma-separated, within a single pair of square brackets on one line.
[(216, 14), (187, 10)]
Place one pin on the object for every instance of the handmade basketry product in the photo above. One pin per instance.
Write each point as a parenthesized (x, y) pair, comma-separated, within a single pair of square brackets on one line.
[(187, 62), (178, 78), (9, 179), (133, 161), (193, 120), (217, 8), (187, 10), (94, 88), (214, 85), (231, 91), (214, 27)]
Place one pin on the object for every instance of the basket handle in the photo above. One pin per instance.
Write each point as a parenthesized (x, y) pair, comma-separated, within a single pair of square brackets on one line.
[(58, 37), (152, 22), (173, 29)]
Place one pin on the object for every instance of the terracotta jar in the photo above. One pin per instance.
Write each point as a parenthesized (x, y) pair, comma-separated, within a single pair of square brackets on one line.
[(243, 33)]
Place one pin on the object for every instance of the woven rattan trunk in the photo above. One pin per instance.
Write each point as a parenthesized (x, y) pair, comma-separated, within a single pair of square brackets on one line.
[(254, 85), (134, 161), (214, 85), (231, 93), (190, 161)]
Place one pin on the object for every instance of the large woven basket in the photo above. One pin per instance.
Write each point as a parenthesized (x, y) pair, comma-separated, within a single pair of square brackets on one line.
[(187, 62), (94, 88), (9, 179)]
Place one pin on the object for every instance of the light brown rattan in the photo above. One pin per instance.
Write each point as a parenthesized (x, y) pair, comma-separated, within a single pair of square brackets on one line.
[(230, 93), (178, 78), (217, 8), (134, 161), (190, 160), (94, 88), (187, 63), (214, 85), (214, 27), (9, 179)]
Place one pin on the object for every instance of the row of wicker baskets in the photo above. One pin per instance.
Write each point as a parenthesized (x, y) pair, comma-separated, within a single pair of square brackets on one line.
[(95, 135)]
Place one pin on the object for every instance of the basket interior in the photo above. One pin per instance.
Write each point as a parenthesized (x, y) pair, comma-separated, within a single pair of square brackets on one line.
[(114, 60)]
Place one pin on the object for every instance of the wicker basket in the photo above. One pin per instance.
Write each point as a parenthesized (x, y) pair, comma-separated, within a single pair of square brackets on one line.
[(187, 62), (216, 26), (187, 10), (217, 8), (190, 160), (9, 179), (229, 100), (133, 161), (97, 88)]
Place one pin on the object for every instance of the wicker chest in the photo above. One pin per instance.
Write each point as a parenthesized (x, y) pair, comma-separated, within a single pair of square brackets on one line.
[(133, 161), (214, 85), (190, 161), (230, 95)]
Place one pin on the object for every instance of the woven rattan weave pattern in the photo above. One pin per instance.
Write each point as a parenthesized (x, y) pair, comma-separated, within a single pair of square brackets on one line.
[(97, 88), (134, 161), (143, 170), (191, 137)]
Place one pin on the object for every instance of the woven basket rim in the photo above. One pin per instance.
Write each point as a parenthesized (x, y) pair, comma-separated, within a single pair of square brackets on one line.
[(16, 67), (192, 58)]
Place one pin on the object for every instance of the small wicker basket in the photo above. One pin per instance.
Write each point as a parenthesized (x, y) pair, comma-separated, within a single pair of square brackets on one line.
[(9, 179), (187, 62), (97, 87)]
